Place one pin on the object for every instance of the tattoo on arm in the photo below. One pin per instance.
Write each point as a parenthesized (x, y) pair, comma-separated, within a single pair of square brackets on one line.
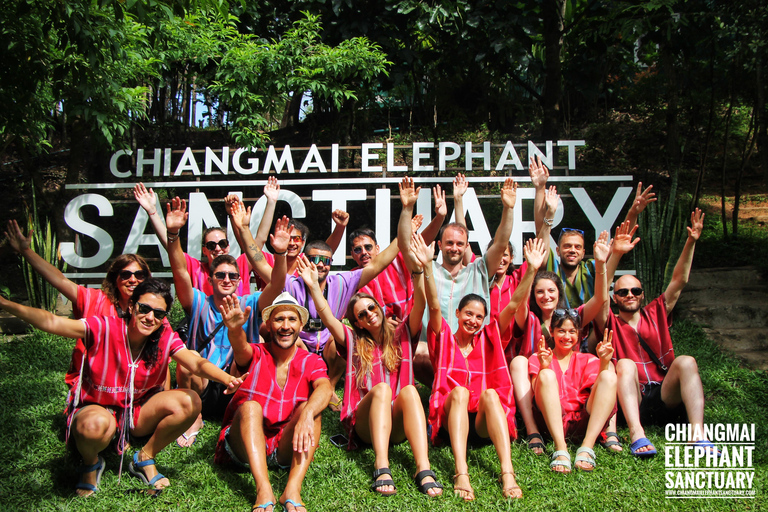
[(256, 252)]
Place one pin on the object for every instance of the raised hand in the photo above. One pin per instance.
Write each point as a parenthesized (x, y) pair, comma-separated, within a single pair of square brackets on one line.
[(272, 190), (605, 347), (551, 200), (408, 192), (460, 185), (177, 215), (416, 222), (509, 193), (538, 172), (145, 198), (535, 252), (340, 217), (281, 236), (16, 237), (238, 213), (307, 271), (441, 208), (642, 198), (231, 313), (421, 253), (697, 224), (622, 243), (601, 249), (544, 353), (235, 383)]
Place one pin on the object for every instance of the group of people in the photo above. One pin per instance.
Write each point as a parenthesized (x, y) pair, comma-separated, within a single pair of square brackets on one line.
[(490, 340)]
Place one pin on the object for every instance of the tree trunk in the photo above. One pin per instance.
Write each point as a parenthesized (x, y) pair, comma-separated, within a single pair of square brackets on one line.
[(552, 14), (725, 162)]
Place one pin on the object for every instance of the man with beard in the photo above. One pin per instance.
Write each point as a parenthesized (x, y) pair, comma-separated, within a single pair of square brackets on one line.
[(275, 416), (654, 385)]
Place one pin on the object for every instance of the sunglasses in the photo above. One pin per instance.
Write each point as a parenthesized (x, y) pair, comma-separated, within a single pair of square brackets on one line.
[(359, 248), (561, 313), (145, 309), (211, 245), (233, 276), (364, 313), (297, 238), (317, 259), (569, 231), (125, 275), (623, 292)]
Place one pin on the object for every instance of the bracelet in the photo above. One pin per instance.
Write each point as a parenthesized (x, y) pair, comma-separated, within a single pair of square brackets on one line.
[(427, 276), (172, 234), (602, 273), (549, 222), (417, 273), (280, 253), (154, 212)]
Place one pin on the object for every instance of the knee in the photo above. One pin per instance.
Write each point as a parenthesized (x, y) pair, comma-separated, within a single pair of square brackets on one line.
[(607, 378), (490, 397), (251, 408), (459, 395), (626, 369), (94, 426), (519, 364), (190, 402), (547, 377), (686, 364), (382, 391), (409, 393)]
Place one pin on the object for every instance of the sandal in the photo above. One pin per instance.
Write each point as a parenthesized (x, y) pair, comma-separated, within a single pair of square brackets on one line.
[(470, 492), (538, 445), (264, 506), (296, 505), (604, 437), (135, 468), (335, 403), (424, 487), (378, 484), (510, 492), (99, 468), (564, 463), (589, 458)]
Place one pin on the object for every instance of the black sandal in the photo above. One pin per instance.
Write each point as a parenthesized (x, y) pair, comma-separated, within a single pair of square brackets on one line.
[(607, 444), (424, 487), (377, 484), (537, 444)]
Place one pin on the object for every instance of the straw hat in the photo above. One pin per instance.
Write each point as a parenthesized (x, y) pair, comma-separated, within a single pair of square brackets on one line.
[(286, 299)]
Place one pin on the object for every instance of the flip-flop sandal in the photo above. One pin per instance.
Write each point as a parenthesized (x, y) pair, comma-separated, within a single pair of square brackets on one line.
[(589, 458), (189, 436), (424, 487), (99, 468), (642, 443), (564, 463), (135, 466), (264, 506), (378, 484), (603, 439), (537, 444), (509, 492), (470, 492), (296, 504), (708, 446)]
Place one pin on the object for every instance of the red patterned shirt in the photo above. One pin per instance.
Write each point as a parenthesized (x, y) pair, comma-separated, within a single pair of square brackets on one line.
[(575, 383), (393, 289)]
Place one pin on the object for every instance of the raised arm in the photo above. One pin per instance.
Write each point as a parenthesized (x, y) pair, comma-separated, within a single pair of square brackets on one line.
[(175, 218), (408, 197), (239, 216), (642, 198), (234, 319), (421, 256), (204, 368), (594, 305), (50, 273), (683, 267), (539, 175), (460, 186), (146, 198), (45, 320), (308, 272), (441, 210), (621, 244), (503, 232), (340, 220), (271, 192), (279, 241), (535, 252), (233, 203)]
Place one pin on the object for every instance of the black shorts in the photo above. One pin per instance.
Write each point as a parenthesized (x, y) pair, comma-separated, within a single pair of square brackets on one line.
[(214, 400), (473, 438), (653, 410)]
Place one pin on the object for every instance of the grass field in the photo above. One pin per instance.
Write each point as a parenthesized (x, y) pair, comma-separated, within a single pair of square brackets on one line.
[(37, 471)]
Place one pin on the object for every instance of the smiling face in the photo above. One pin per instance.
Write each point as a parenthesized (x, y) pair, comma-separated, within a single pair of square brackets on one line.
[(506, 259), (295, 244), (322, 269), (571, 250), (126, 286), (631, 303), (453, 244), (368, 315), (284, 325), (471, 317), (225, 286), (147, 323), (547, 295), (566, 336), (215, 236), (364, 249)]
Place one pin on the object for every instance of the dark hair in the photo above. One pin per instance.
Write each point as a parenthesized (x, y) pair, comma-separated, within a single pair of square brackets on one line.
[(391, 353), (155, 287), (511, 267), (545, 274), (558, 320), (362, 232), (473, 297), (320, 245), (109, 284), (221, 260), (453, 225), (300, 226), (208, 231)]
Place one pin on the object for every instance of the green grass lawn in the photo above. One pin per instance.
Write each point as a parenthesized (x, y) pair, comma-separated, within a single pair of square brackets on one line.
[(37, 471)]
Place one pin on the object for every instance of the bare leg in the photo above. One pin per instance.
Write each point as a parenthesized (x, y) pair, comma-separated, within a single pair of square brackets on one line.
[(547, 396), (408, 421), (374, 425), (599, 406), (518, 369), (628, 390), (422, 366), (246, 438), (165, 416), (683, 384), (491, 422), (336, 369), (299, 461), (185, 379), (92, 430), (456, 405)]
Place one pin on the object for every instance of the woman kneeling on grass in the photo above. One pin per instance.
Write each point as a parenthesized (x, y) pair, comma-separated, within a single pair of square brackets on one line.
[(381, 404), (472, 389), (119, 389), (574, 392)]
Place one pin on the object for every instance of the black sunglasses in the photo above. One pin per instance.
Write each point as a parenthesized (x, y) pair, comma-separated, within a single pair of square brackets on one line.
[(145, 309), (211, 245), (317, 259), (561, 313), (623, 292), (359, 248), (364, 313), (233, 276), (139, 274)]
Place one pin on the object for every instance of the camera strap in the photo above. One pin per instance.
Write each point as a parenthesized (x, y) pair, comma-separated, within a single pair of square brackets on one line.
[(664, 369)]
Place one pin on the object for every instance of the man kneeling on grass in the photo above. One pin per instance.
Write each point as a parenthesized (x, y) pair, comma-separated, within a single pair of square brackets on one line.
[(275, 416)]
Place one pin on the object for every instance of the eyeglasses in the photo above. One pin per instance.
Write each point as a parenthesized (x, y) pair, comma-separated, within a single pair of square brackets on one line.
[(297, 238), (623, 292), (359, 248), (364, 313), (145, 309), (211, 245), (125, 275), (317, 259), (233, 276), (561, 313)]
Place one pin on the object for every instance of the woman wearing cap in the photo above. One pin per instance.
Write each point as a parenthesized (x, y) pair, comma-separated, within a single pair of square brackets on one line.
[(121, 380)]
